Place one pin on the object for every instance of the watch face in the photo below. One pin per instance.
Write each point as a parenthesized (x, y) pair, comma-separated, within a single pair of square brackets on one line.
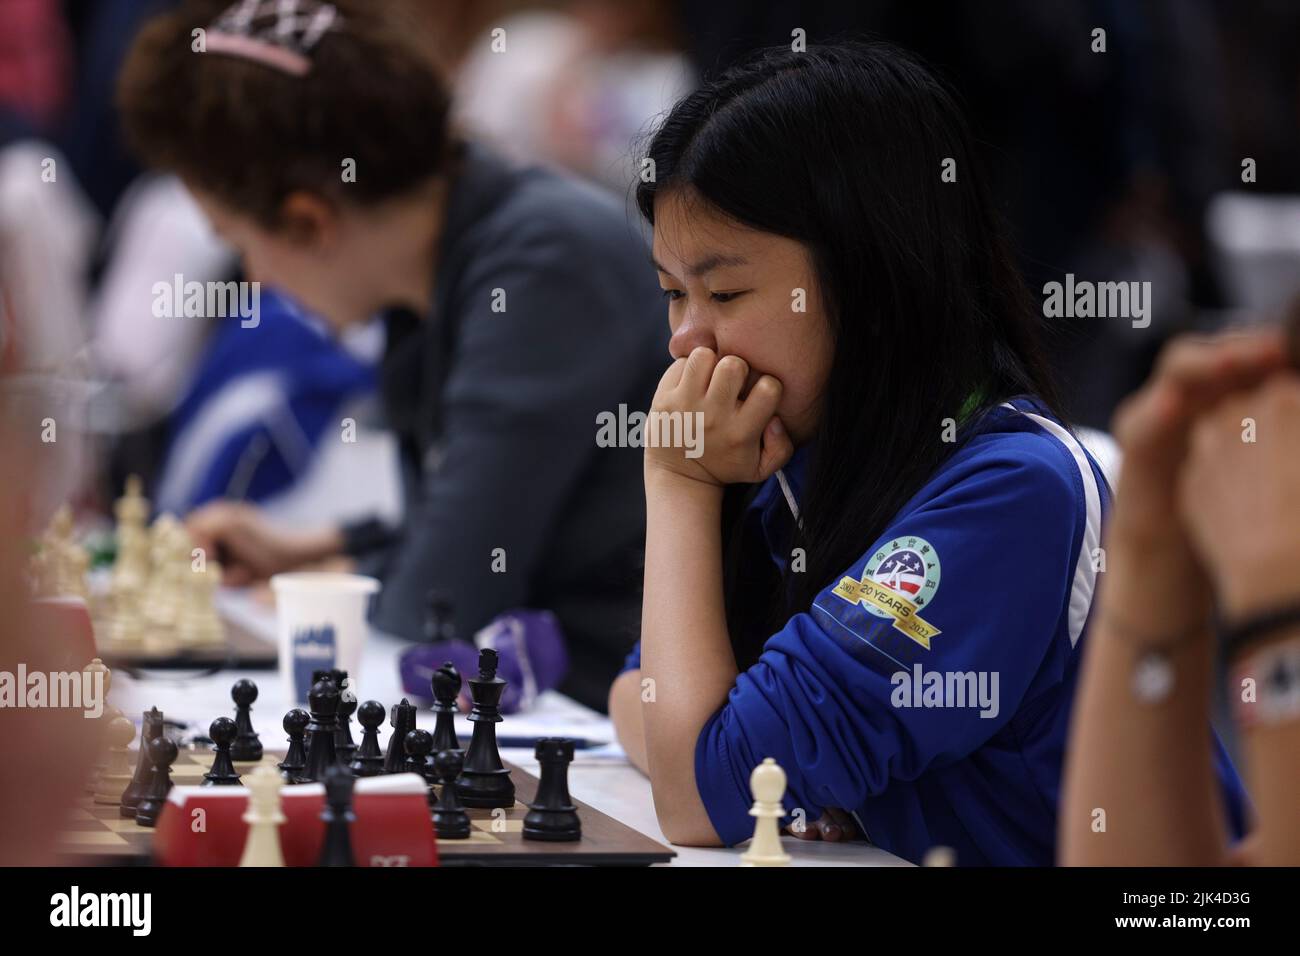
[(1153, 678)]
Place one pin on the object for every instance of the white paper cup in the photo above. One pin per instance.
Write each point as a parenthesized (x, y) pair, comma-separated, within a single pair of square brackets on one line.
[(321, 623)]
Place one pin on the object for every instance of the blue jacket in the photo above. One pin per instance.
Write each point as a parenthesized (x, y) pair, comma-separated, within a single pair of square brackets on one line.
[(259, 404), (927, 690)]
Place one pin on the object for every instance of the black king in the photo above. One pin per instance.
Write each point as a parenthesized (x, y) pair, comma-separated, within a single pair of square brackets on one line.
[(484, 781)]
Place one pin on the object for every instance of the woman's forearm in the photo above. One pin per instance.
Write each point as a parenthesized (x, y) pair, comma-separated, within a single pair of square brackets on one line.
[(1273, 779), (1270, 747), (685, 648), (625, 714), (1139, 784)]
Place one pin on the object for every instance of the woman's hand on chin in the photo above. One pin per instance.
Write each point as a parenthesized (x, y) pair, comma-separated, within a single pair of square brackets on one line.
[(700, 429)]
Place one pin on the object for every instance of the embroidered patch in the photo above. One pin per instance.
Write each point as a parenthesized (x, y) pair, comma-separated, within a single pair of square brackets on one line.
[(898, 580)]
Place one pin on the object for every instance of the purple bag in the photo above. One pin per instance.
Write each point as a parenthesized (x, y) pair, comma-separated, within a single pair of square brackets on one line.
[(530, 649)]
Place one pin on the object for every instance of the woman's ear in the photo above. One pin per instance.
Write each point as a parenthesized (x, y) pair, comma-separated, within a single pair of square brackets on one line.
[(308, 219)]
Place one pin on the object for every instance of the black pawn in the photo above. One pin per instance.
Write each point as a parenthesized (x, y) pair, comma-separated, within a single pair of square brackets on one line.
[(445, 684), (151, 729), (450, 820), (419, 744), (318, 675), (223, 774), (247, 747), (295, 725), (338, 816), (484, 781), (324, 702), (344, 746), (403, 722), (368, 761), (162, 754), (552, 816)]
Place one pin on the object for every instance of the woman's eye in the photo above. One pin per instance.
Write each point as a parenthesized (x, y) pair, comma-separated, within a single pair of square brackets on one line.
[(724, 296), (672, 295)]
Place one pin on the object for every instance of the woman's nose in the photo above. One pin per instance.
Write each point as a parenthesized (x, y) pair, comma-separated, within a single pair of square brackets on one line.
[(690, 335)]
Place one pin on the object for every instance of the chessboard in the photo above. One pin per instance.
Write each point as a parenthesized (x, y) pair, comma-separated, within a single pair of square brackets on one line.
[(156, 607), (98, 835), (241, 648)]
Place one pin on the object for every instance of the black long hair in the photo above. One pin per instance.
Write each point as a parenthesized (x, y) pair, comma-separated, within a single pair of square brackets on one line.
[(842, 148)]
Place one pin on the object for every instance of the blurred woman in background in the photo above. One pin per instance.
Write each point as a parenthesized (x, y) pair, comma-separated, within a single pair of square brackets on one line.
[(516, 303)]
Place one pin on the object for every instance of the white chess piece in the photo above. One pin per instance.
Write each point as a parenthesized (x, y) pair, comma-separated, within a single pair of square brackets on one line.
[(59, 531), (198, 624), (940, 856), (767, 783), (76, 563), (44, 573), (169, 548), (117, 772), (110, 712), (65, 559), (97, 666), (127, 625), (100, 725), (263, 816), (159, 532), (131, 569), (133, 507)]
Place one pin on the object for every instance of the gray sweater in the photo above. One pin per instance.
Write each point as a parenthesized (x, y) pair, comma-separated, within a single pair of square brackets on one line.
[(546, 313)]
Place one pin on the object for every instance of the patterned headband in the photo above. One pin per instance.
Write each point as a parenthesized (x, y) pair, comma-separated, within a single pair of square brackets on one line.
[(274, 33)]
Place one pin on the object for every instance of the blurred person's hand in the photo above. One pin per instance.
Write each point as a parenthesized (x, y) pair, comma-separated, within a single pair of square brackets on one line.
[(250, 548), (1153, 428), (1240, 496)]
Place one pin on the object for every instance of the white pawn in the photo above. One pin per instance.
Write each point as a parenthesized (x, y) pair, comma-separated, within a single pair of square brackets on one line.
[(76, 563), (263, 816), (768, 785), (67, 559), (940, 856), (88, 688), (118, 771), (98, 665), (108, 714)]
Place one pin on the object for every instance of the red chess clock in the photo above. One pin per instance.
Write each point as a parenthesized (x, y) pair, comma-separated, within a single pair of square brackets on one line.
[(203, 826)]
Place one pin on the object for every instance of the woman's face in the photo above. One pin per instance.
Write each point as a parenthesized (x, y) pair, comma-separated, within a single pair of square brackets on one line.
[(319, 266), (743, 292)]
